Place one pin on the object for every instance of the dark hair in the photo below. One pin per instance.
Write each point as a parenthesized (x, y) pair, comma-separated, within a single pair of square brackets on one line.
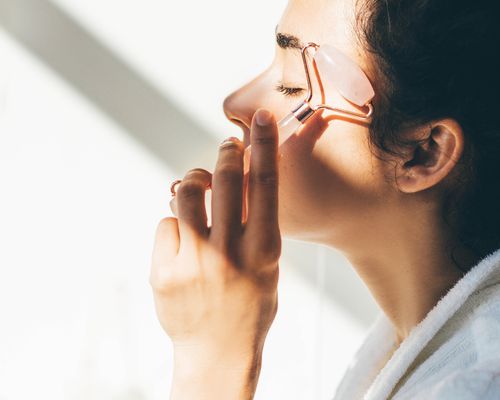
[(434, 59)]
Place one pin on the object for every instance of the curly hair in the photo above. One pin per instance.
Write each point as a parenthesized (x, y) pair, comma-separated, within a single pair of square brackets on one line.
[(440, 59)]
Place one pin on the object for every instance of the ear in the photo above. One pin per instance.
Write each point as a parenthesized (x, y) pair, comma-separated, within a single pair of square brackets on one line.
[(430, 162)]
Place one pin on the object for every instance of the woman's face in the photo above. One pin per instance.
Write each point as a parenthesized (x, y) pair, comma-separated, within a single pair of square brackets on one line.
[(332, 189)]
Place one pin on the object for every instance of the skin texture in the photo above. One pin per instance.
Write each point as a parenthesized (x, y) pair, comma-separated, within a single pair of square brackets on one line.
[(385, 217)]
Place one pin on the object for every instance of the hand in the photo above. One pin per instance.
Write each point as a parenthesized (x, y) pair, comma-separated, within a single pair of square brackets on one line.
[(215, 288)]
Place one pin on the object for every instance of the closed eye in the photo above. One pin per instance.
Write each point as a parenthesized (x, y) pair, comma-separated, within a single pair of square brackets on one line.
[(289, 91)]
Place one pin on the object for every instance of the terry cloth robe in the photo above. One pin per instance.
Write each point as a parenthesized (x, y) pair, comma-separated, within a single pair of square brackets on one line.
[(452, 354)]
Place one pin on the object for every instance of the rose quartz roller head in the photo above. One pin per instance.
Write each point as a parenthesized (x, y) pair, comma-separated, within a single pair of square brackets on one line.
[(344, 74)]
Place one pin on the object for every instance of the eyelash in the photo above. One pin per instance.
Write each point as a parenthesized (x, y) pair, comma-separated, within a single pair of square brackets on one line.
[(288, 91)]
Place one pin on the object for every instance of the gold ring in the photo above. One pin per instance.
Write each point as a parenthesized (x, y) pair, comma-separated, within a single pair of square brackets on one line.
[(173, 185)]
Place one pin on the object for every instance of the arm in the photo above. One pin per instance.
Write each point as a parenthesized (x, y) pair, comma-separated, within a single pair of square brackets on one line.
[(210, 382)]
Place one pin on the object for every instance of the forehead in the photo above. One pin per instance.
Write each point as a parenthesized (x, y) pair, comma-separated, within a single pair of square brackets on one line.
[(323, 21)]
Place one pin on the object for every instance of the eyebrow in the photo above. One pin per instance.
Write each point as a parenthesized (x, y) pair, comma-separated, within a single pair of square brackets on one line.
[(287, 41)]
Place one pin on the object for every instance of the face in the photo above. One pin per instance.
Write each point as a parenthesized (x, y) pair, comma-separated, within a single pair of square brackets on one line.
[(331, 185)]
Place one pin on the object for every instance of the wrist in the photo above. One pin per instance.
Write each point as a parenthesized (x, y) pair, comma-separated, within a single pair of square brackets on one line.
[(209, 377)]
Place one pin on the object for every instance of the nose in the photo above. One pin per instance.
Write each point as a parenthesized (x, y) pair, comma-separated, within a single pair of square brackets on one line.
[(236, 111), (240, 106)]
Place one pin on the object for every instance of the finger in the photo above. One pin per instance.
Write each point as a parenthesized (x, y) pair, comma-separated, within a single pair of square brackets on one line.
[(173, 205), (166, 245), (227, 193), (263, 177), (190, 202)]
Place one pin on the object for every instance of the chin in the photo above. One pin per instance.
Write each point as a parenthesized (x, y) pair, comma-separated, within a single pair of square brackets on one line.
[(293, 231)]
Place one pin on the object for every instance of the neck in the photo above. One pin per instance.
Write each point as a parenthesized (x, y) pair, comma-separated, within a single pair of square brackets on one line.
[(407, 269)]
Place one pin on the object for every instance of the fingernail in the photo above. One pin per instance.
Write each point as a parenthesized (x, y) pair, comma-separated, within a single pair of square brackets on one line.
[(232, 139), (263, 117)]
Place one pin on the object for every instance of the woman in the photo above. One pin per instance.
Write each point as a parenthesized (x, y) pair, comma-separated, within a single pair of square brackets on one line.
[(410, 199)]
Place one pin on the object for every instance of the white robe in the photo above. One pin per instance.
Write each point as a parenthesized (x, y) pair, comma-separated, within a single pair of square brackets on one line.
[(452, 354)]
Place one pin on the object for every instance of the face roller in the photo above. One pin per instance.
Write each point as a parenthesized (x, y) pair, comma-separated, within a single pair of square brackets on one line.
[(344, 75)]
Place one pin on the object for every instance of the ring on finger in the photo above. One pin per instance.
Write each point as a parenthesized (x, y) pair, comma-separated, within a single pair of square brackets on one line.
[(173, 185), (173, 190)]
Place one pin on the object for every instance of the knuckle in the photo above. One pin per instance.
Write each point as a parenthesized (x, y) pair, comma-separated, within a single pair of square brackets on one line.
[(227, 244), (267, 279), (154, 282), (190, 188), (166, 223), (272, 246), (168, 280), (264, 178), (165, 227), (271, 250), (264, 140), (160, 278), (265, 251)]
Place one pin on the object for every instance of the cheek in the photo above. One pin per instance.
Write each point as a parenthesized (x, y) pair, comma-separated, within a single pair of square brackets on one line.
[(330, 176), (344, 152)]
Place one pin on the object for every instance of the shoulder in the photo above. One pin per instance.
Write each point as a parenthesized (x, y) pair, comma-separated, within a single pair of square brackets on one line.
[(462, 361), (481, 322), (471, 338), (481, 382)]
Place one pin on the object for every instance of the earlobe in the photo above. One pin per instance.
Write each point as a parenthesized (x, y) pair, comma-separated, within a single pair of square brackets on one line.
[(434, 158)]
